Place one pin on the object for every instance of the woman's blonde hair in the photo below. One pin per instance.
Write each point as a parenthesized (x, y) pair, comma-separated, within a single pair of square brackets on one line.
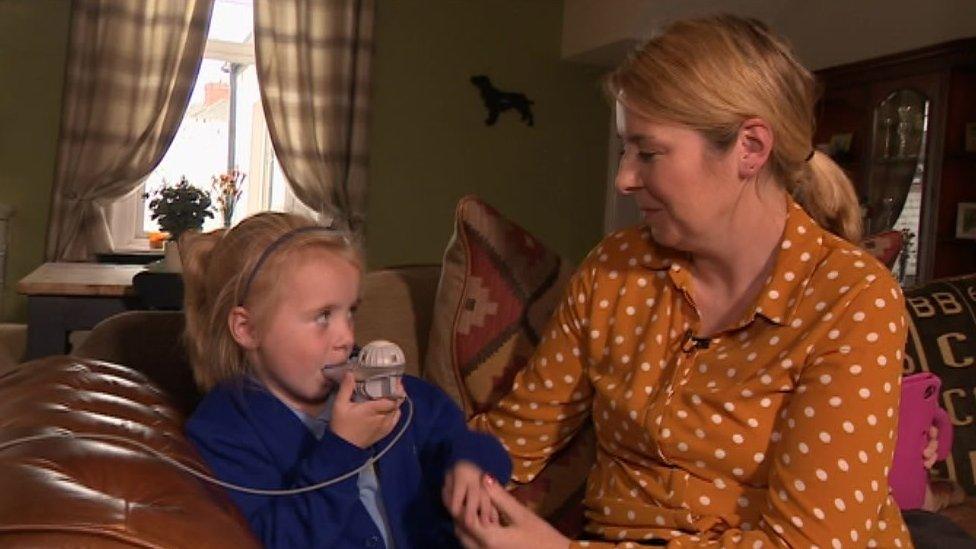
[(216, 269), (712, 74)]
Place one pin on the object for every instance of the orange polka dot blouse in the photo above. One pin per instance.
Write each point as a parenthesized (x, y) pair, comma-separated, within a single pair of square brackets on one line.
[(777, 432)]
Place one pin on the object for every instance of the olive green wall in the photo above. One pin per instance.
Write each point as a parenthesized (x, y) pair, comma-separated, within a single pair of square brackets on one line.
[(429, 144), (33, 38)]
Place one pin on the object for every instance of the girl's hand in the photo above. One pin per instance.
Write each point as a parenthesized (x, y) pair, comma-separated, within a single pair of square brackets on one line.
[(523, 528), (464, 496), (362, 423), (932, 448)]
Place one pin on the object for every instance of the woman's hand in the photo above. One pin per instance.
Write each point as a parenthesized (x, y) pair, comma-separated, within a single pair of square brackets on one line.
[(932, 448), (465, 498), (362, 423), (522, 528)]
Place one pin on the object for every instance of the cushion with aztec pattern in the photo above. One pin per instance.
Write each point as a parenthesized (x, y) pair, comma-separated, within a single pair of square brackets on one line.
[(499, 285)]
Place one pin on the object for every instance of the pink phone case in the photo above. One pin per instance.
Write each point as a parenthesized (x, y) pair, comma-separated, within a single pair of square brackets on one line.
[(918, 411)]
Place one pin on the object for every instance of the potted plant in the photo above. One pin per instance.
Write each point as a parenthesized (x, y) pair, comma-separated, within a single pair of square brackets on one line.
[(178, 208)]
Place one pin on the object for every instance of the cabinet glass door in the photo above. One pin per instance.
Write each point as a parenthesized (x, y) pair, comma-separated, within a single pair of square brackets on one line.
[(896, 173)]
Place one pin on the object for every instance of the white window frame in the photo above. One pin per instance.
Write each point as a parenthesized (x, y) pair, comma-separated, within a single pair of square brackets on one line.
[(126, 215)]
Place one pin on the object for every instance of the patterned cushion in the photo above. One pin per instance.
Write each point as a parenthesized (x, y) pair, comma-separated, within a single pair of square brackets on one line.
[(885, 246), (942, 340), (499, 286)]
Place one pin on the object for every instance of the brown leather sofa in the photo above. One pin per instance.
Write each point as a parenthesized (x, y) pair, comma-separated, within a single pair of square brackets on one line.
[(66, 492)]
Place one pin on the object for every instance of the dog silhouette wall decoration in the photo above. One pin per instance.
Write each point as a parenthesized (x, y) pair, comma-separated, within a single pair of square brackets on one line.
[(497, 101)]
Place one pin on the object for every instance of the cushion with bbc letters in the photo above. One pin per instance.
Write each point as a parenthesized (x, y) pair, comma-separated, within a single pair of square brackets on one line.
[(942, 340)]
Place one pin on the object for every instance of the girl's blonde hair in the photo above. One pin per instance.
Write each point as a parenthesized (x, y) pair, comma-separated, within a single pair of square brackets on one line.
[(712, 74), (216, 268)]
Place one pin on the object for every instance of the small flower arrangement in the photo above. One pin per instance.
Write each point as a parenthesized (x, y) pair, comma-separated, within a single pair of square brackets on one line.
[(179, 208), (228, 187)]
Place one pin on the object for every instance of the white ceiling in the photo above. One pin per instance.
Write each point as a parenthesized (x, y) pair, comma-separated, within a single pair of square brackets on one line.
[(824, 33)]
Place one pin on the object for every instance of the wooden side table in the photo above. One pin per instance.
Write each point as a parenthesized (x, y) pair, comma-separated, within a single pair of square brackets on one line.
[(62, 297)]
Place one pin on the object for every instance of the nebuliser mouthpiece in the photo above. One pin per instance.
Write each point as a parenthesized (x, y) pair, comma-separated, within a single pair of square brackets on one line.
[(377, 369)]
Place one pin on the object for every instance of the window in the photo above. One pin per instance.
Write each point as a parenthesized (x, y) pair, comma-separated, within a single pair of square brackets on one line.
[(223, 128)]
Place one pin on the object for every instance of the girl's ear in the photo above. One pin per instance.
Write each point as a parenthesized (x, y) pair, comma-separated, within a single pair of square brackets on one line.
[(242, 328), (755, 146)]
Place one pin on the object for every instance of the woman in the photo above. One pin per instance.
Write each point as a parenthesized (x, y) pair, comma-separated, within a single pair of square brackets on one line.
[(739, 356)]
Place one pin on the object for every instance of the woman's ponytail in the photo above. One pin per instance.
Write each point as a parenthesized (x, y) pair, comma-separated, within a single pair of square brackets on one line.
[(829, 197)]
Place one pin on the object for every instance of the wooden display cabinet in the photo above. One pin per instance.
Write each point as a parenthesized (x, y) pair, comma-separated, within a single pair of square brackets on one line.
[(897, 125)]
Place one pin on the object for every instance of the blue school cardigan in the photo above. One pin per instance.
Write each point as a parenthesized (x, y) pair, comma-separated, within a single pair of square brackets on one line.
[(249, 437)]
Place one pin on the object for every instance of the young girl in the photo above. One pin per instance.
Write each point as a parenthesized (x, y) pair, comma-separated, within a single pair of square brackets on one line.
[(268, 304)]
